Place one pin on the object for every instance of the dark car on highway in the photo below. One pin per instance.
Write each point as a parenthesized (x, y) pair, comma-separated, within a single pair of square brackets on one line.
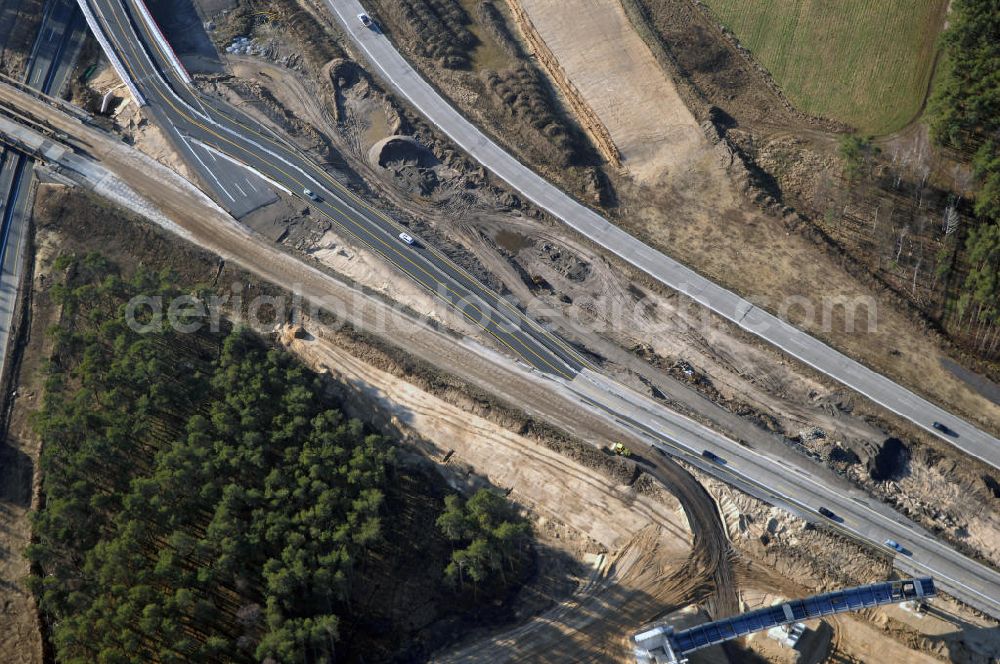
[(369, 23), (712, 456), (830, 514), (893, 544), (945, 430)]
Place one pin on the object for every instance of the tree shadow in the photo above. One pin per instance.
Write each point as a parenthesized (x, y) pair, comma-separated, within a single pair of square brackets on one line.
[(16, 472), (446, 620), (590, 614), (593, 626), (970, 642)]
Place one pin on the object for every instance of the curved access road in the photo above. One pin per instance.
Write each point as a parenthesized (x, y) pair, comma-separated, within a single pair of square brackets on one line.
[(232, 136), (590, 406), (408, 82), (224, 145)]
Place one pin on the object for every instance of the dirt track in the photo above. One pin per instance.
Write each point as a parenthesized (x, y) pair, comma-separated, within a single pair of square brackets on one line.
[(649, 572), (424, 345), (550, 484), (711, 551), (753, 392), (650, 569), (207, 226), (594, 625), (590, 122)]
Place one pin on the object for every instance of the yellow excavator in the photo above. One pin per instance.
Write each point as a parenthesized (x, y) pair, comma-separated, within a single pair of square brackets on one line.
[(621, 450)]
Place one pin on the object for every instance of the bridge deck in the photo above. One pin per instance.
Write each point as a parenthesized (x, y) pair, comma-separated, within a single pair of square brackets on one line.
[(797, 610)]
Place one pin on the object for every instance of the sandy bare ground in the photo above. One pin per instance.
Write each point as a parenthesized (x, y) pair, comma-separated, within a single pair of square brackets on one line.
[(272, 261), (859, 639), (649, 541), (365, 268), (594, 625), (20, 641), (760, 376), (670, 328), (799, 562), (20, 638), (698, 215), (135, 123), (608, 313), (620, 80), (544, 481)]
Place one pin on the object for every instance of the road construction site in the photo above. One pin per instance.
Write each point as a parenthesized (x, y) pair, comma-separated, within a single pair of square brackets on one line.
[(668, 350)]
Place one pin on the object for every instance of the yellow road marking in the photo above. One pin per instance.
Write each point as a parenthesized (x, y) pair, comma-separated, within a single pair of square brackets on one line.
[(391, 247), (378, 213)]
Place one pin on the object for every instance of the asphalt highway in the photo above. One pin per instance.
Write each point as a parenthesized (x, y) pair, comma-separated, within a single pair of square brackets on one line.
[(200, 120), (797, 486), (590, 406), (410, 84), (226, 131), (60, 35)]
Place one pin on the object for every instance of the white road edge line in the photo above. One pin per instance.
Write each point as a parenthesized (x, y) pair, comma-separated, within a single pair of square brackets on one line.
[(205, 166), (689, 290), (694, 430), (239, 163)]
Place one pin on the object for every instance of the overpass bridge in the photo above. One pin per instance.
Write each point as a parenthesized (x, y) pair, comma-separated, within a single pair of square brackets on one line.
[(662, 645), (203, 127)]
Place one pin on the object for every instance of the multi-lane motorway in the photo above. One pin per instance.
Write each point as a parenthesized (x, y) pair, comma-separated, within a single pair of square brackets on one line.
[(407, 81), (199, 120), (801, 487), (589, 406), (234, 138), (60, 35)]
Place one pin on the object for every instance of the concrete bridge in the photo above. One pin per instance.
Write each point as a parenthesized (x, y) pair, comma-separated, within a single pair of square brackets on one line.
[(662, 645)]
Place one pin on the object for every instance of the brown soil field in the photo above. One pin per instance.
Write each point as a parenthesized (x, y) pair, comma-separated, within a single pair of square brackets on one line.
[(643, 569), (704, 219), (607, 309), (644, 319), (586, 513), (551, 486), (617, 75)]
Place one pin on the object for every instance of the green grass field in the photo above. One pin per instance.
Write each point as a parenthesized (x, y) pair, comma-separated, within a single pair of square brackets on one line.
[(864, 62)]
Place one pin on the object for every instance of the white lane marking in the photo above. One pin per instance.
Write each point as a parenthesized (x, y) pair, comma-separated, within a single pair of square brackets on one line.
[(242, 193), (207, 169), (250, 183), (227, 129), (376, 61), (901, 394), (788, 499), (668, 438), (274, 183)]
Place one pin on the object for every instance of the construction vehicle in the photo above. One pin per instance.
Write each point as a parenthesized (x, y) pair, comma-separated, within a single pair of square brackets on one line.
[(621, 450)]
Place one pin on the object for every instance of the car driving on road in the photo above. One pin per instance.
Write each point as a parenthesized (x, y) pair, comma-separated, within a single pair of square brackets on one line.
[(407, 238), (943, 428), (310, 195), (893, 544), (712, 456)]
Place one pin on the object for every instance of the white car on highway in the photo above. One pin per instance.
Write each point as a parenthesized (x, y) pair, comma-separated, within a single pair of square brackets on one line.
[(406, 237)]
